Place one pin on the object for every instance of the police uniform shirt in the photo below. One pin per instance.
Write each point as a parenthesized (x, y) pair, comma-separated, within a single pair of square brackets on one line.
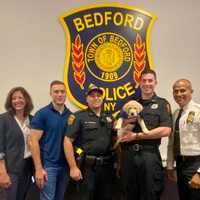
[(156, 113), (92, 133), (189, 131)]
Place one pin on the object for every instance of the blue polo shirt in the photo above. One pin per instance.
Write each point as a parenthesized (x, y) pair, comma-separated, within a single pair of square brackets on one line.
[(53, 124)]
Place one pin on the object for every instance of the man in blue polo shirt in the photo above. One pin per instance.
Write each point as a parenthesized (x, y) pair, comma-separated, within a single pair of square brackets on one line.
[(46, 143)]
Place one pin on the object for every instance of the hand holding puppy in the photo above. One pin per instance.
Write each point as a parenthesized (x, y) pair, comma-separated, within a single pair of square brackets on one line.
[(124, 126)]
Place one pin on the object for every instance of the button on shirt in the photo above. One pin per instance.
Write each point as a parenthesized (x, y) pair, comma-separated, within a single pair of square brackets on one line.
[(189, 130)]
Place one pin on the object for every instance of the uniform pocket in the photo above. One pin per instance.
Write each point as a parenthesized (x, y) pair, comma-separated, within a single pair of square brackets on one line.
[(151, 120)]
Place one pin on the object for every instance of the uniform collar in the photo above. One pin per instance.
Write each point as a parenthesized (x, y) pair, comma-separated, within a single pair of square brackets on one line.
[(190, 103), (153, 99), (91, 113)]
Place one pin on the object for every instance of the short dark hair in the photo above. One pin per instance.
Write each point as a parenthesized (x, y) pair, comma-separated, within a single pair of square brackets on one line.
[(149, 71), (56, 82), (29, 104)]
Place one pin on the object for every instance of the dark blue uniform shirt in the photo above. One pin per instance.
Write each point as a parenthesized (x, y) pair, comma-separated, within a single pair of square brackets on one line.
[(156, 113), (92, 133)]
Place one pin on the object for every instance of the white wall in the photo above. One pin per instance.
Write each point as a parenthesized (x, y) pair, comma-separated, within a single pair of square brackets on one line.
[(32, 44)]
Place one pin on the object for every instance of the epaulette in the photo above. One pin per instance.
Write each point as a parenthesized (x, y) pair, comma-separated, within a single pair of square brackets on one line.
[(81, 112)]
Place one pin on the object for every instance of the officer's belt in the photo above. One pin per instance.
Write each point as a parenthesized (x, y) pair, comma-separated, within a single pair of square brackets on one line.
[(188, 158), (98, 160), (140, 147)]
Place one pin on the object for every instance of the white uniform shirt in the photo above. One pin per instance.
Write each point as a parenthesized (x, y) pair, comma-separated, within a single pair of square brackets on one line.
[(26, 132), (189, 131)]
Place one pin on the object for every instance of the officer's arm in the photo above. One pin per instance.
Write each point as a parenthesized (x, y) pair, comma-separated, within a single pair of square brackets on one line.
[(69, 152), (152, 134), (75, 172), (155, 133), (165, 128), (33, 143), (70, 135)]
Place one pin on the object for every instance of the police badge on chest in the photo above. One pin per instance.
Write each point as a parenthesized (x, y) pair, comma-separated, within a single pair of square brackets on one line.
[(190, 117)]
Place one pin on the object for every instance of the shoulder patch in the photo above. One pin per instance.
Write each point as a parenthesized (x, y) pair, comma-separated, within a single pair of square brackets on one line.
[(71, 119)]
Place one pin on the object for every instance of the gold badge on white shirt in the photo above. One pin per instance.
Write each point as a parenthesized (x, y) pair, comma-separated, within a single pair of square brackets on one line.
[(190, 117)]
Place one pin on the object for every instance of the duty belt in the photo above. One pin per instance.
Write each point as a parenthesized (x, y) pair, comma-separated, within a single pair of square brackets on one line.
[(140, 147), (98, 160)]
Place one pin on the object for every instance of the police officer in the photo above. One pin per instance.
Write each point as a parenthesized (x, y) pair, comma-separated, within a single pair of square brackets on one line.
[(184, 143), (91, 131), (142, 170)]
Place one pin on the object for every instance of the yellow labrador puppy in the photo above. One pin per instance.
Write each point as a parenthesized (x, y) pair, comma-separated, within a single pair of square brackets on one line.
[(132, 109)]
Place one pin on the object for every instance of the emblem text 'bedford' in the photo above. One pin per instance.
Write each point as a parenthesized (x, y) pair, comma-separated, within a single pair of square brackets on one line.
[(108, 18), (108, 45)]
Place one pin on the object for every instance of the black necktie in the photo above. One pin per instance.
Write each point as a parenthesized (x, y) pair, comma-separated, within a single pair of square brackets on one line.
[(177, 135)]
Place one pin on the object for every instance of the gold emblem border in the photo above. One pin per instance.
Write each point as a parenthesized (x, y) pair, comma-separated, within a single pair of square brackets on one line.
[(68, 38)]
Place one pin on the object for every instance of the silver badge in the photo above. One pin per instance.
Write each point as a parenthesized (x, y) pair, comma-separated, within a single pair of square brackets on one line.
[(154, 106)]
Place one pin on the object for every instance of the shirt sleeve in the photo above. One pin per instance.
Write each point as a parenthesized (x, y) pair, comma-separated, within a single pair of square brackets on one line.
[(170, 152), (166, 115), (2, 137), (38, 121), (73, 128)]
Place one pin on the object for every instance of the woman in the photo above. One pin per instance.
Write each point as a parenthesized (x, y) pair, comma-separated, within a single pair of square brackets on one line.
[(16, 167)]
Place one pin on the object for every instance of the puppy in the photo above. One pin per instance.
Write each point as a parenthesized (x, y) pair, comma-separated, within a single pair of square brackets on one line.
[(132, 109)]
